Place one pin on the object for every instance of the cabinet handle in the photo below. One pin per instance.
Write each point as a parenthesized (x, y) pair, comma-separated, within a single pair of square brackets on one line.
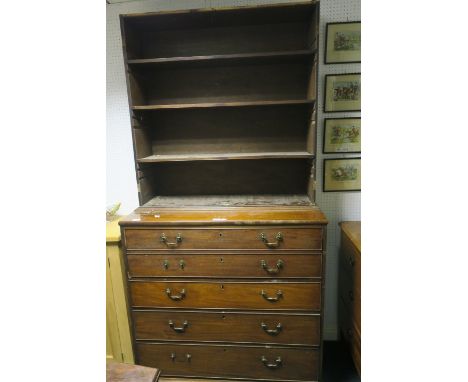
[(179, 297), (272, 271), (351, 295), (188, 357), (278, 363), (351, 261), (178, 329), (279, 294), (178, 239), (181, 264), (278, 237), (273, 332)]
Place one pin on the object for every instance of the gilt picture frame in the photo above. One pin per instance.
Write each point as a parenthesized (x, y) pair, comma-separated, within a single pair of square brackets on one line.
[(342, 92), (342, 135), (342, 174), (343, 43)]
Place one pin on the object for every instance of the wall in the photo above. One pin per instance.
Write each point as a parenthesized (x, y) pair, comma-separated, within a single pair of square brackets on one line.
[(121, 182)]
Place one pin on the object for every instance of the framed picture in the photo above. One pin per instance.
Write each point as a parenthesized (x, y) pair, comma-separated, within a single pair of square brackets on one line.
[(342, 174), (342, 135), (343, 43), (342, 92)]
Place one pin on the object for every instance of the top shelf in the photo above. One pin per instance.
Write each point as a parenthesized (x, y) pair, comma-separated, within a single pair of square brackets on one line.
[(232, 58)]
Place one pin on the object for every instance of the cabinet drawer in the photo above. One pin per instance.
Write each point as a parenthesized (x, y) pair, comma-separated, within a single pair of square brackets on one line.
[(350, 261), (223, 238), (226, 295), (296, 329), (272, 363), (351, 296), (238, 265)]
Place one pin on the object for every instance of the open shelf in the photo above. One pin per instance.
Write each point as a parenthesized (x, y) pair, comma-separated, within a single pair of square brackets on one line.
[(224, 156), (229, 201), (224, 104), (232, 58)]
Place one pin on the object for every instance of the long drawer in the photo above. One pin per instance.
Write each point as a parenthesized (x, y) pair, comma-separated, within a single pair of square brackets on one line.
[(228, 266), (224, 238), (226, 295), (350, 293), (295, 329), (272, 363)]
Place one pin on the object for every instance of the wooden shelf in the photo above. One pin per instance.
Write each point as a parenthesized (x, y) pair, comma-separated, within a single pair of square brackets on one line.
[(225, 156), (222, 104), (224, 57)]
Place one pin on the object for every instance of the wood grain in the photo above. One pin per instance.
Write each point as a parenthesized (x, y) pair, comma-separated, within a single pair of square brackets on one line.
[(227, 295), (269, 266), (231, 361), (122, 372), (224, 238), (299, 329)]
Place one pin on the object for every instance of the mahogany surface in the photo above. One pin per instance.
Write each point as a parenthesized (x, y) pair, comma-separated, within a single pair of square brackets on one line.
[(122, 372), (225, 256), (350, 288)]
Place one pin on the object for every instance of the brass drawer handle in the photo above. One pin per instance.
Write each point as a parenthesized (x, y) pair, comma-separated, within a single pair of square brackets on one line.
[(278, 363), (278, 237), (272, 271), (279, 294), (178, 239), (178, 329), (166, 264), (273, 332), (179, 297), (188, 357)]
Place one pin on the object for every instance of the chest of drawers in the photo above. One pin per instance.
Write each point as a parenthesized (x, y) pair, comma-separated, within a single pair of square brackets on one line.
[(350, 288), (237, 300)]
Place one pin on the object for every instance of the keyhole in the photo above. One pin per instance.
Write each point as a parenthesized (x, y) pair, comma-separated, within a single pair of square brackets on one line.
[(220, 234), (222, 286), (221, 259), (223, 317)]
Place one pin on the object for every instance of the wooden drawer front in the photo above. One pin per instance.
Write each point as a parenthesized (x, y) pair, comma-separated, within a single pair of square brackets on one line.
[(226, 295), (351, 296), (350, 261), (231, 361), (290, 238), (267, 265), (297, 329)]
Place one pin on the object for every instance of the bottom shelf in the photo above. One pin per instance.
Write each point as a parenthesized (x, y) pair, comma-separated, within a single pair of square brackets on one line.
[(229, 201)]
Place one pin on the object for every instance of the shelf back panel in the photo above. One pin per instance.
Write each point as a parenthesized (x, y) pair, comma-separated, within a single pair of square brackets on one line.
[(249, 129), (237, 177), (218, 32), (221, 84)]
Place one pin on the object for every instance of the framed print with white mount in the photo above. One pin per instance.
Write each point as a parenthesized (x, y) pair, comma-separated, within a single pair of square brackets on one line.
[(343, 43), (342, 92), (342, 135), (342, 174)]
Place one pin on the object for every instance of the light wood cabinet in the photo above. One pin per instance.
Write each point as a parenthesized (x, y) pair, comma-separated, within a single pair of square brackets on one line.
[(118, 340)]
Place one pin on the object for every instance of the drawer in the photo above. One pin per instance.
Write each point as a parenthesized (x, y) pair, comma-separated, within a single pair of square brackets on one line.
[(350, 261), (295, 329), (226, 295), (351, 296), (230, 361), (228, 266), (224, 238)]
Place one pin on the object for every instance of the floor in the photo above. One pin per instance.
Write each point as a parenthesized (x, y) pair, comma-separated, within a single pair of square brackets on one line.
[(337, 363)]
